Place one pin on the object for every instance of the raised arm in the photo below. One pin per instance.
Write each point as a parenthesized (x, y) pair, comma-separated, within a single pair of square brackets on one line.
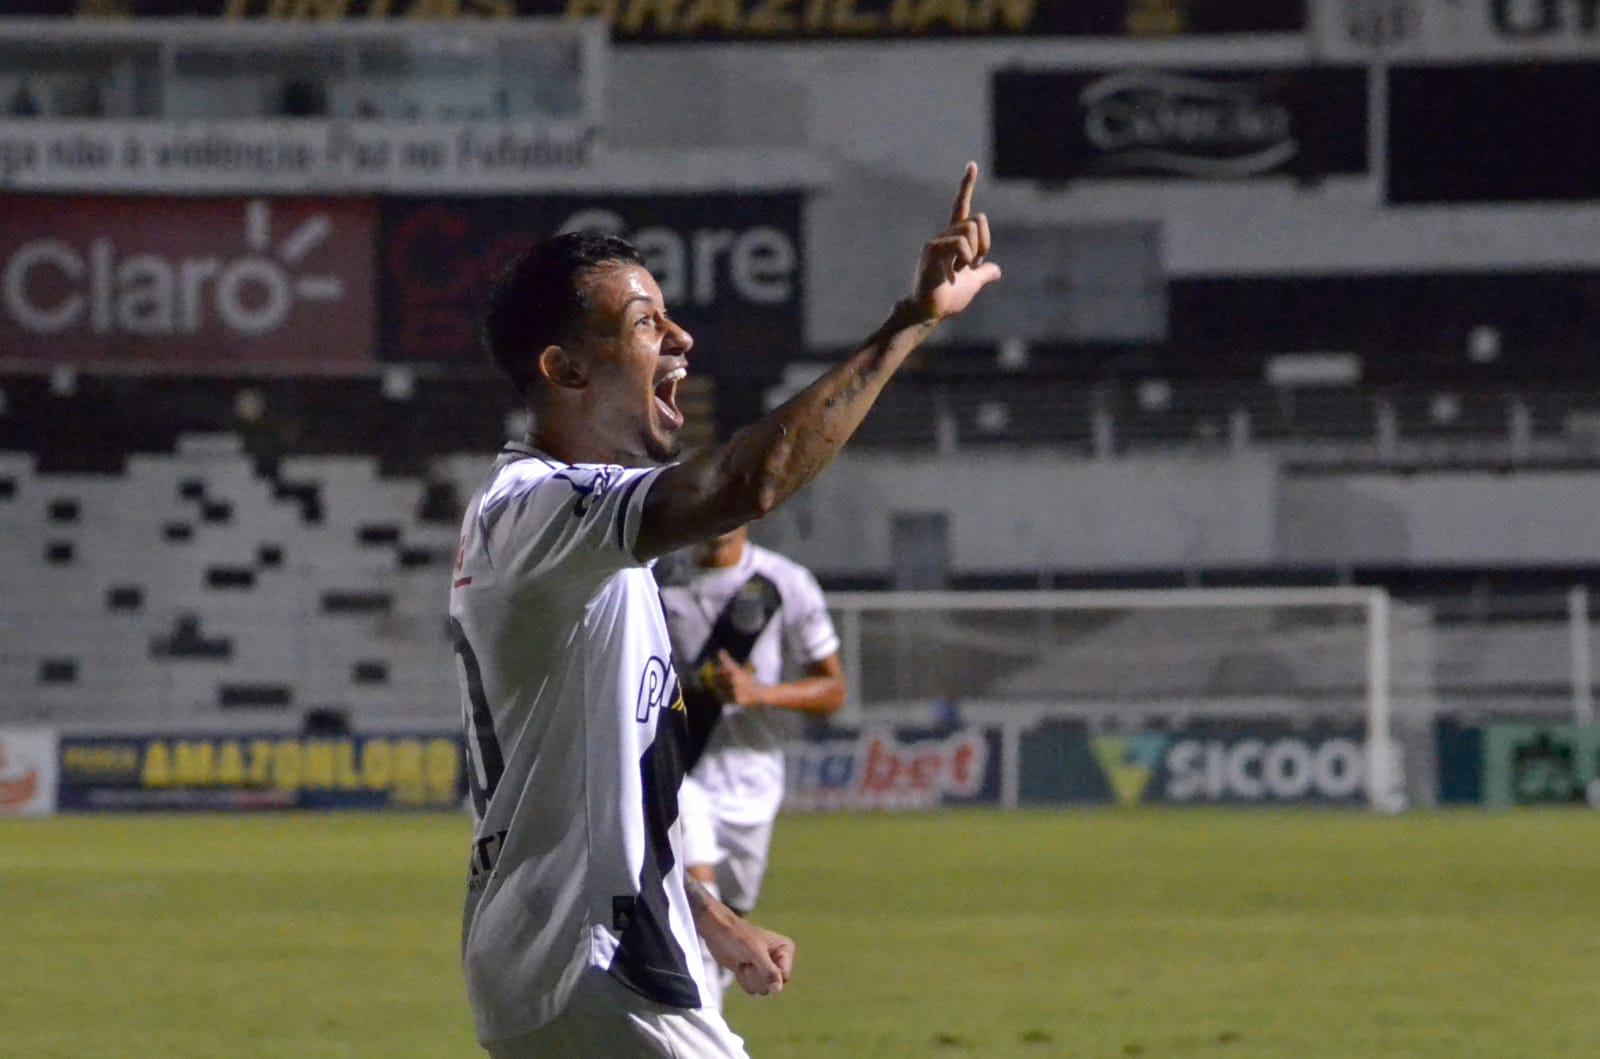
[(766, 462)]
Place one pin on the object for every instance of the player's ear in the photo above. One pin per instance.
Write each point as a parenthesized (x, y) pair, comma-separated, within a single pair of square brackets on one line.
[(562, 367)]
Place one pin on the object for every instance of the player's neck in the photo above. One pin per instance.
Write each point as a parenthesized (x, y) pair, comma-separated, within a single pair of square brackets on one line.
[(724, 556), (581, 447)]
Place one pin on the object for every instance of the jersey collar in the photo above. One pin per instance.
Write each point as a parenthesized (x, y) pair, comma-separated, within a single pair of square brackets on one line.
[(521, 448)]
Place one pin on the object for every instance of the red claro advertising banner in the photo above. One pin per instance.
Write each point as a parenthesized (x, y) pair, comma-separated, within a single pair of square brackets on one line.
[(193, 283)]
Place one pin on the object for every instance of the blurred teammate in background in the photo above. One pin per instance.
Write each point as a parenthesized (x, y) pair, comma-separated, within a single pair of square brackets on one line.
[(579, 930), (753, 641)]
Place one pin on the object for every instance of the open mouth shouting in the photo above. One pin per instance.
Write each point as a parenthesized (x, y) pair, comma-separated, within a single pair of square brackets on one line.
[(666, 395)]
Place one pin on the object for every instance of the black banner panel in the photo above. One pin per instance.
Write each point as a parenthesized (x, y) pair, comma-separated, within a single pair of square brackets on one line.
[(647, 21), (1407, 327), (1494, 133), (1230, 124)]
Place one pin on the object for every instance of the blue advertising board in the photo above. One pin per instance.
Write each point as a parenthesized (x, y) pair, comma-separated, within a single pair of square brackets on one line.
[(415, 770)]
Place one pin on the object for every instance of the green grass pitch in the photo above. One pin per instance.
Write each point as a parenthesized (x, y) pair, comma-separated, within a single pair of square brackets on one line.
[(1108, 934)]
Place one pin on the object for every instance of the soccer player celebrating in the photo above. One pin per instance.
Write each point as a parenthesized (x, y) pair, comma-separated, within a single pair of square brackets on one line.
[(752, 639), (580, 927)]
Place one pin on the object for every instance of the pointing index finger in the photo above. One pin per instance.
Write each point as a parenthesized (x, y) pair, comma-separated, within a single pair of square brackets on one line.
[(963, 204)]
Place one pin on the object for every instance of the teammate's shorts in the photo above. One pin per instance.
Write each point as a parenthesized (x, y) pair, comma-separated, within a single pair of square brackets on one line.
[(743, 864), (607, 1020)]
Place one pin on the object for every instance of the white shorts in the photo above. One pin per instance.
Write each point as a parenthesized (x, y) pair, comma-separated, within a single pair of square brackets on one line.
[(738, 851), (607, 1020)]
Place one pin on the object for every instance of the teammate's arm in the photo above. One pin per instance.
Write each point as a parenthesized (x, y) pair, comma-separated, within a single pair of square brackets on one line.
[(762, 960), (821, 690), (765, 463)]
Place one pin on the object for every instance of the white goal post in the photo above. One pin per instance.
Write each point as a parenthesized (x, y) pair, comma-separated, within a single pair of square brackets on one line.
[(1114, 658)]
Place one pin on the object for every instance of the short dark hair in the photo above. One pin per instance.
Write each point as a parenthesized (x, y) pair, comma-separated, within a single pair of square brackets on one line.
[(537, 301)]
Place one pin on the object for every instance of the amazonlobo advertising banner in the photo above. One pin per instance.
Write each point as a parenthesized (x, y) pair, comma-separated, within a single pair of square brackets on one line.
[(1214, 124), (730, 267), (420, 770)]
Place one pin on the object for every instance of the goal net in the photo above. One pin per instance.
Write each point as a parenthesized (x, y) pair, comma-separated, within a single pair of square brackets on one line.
[(1203, 695)]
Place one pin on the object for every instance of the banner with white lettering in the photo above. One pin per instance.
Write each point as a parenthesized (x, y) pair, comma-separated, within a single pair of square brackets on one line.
[(731, 268), (637, 21), (261, 156), (893, 769), (1214, 124), (1222, 763), (1457, 29), (214, 282)]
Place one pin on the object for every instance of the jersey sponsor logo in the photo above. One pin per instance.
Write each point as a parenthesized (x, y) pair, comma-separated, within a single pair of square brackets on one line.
[(649, 958), (658, 689), (590, 483)]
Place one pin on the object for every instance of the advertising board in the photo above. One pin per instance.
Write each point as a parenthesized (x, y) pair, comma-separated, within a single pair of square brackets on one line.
[(731, 267), (224, 282), (296, 156), (886, 768), (28, 772), (1233, 763), (420, 770), (1540, 764), (1213, 124), (1456, 29)]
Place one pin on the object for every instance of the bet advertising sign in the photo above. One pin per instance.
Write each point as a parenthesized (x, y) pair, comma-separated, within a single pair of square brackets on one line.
[(646, 21), (1234, 124), (227, 772), (1457, 29), (893, 769), (27, 772), (730, 268), (216, 282)]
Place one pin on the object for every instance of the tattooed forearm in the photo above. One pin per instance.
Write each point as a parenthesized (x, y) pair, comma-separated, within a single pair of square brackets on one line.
[(766, 462), (700, 899)]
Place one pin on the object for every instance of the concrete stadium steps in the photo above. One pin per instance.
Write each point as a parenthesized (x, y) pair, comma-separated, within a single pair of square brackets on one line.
[(278, 613)]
